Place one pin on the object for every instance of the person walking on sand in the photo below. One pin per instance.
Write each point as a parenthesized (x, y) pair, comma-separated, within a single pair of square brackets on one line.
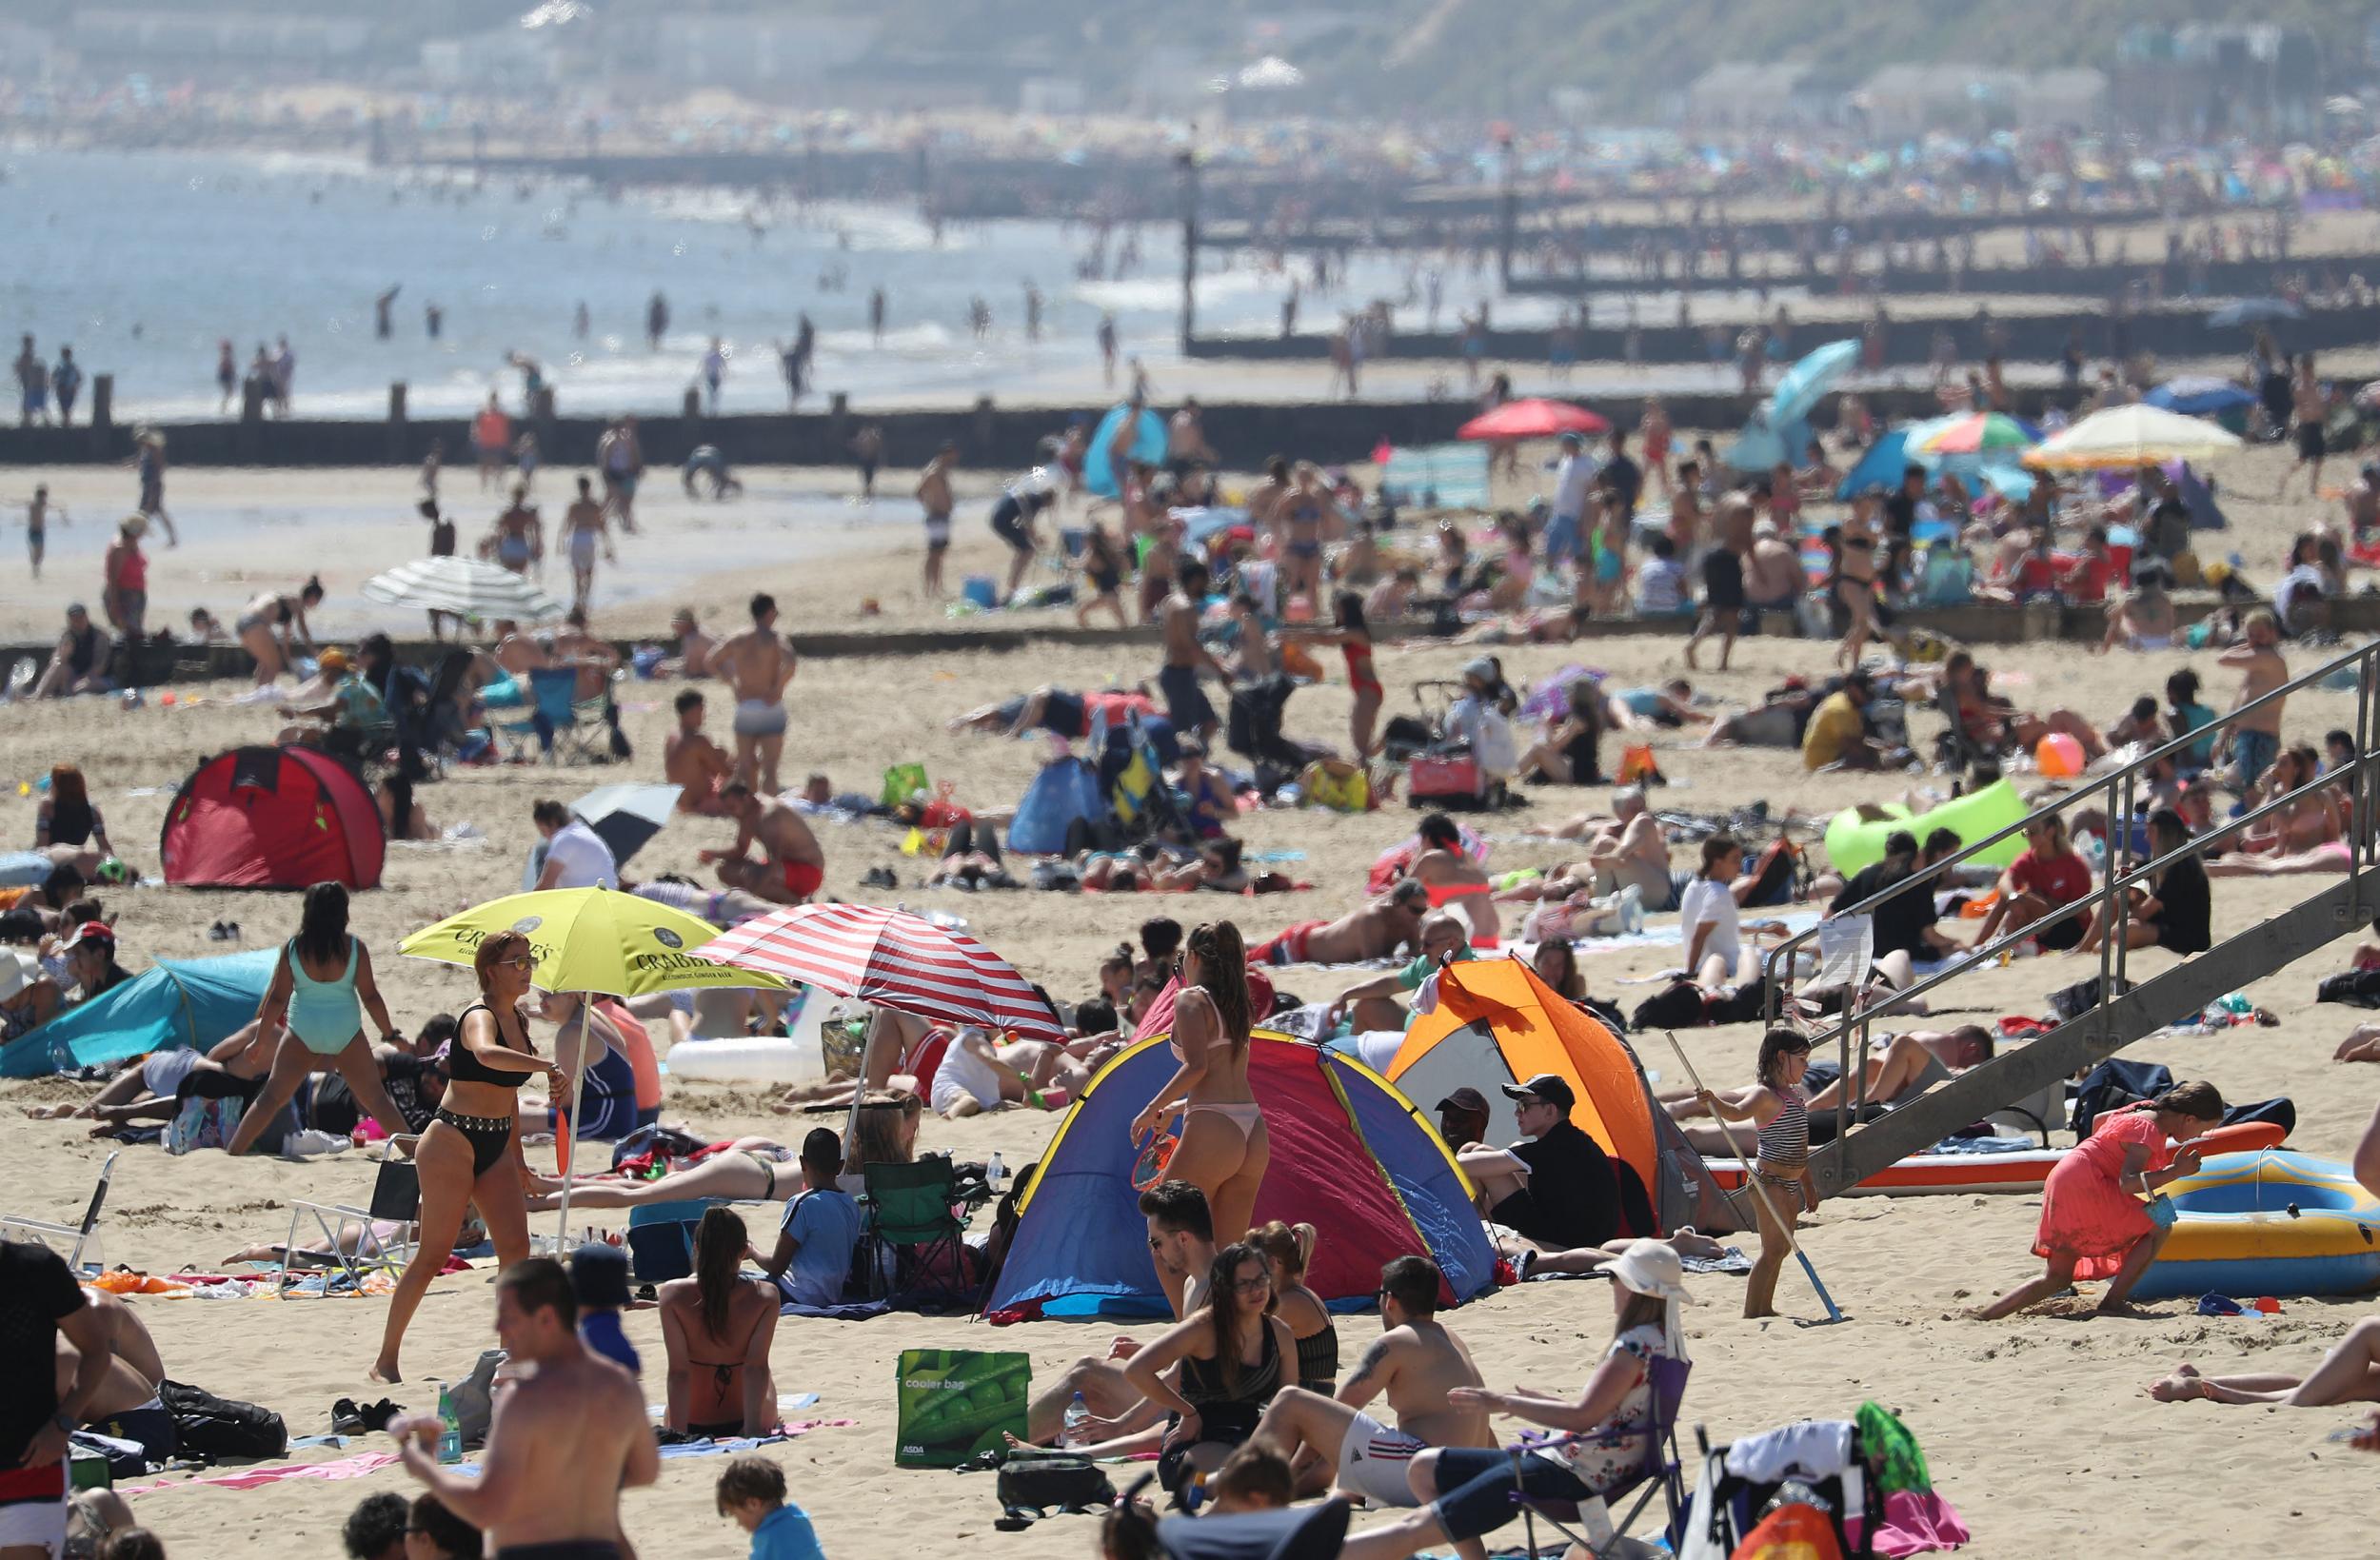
[(567, 1437), (38, 526), (1778, 1107), (1186, 704), (322, 987), (227, 375), (124, 588), (934, 497), (150, 465), (2255, 739), (2093, 1225), (584, 527), (469, 1157), (757, 666), (491, 440), (2309, 406), (620, 458), (867, 453), (1223, 1149)]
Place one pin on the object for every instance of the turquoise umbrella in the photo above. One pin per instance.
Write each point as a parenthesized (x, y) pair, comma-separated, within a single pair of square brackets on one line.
[(1806, 382)]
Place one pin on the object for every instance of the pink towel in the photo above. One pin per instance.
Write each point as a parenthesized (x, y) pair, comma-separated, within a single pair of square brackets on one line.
[(249, 1478), (1914, 1524)]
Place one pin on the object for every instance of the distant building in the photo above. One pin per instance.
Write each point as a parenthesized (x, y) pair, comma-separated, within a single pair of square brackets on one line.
[(2205, 81), (173, 44), (1904, 100), (1741, 94)]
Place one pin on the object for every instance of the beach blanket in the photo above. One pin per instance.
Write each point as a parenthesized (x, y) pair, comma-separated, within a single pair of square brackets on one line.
[(255, 1478), (738, 1446), (1731, 1259), (857, 1311)]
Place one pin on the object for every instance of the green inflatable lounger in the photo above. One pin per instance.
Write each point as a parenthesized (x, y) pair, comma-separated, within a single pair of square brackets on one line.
[(1854, 843)]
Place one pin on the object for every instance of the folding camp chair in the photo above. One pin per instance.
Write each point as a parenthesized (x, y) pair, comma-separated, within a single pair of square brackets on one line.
[(566, 728), (1957, 749), (77, 1243), (661, 1239), (396, 1199), (916, 1212), (1660, 1475)]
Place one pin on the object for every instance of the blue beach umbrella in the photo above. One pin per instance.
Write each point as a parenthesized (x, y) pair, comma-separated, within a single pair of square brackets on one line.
[(1148, 447), (1802, 385)]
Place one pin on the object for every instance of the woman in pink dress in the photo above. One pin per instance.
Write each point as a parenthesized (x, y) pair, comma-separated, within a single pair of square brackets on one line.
[(2093, 1225)]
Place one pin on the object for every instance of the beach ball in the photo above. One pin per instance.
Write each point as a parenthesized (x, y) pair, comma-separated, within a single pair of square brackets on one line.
[(2060, 756), (166, 700)]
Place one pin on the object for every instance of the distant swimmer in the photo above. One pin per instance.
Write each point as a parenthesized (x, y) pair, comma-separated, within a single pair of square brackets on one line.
[(433, 319), (383, 309), (579, 322), (875, 315), (1032, 312), (1107, 349), (757, 666), (656, 321)]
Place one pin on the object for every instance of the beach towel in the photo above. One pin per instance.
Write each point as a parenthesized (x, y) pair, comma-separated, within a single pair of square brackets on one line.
[(257, 1478)]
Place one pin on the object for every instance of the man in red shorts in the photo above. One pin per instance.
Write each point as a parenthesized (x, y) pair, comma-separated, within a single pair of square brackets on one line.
[(791, 867), (1375, 931)]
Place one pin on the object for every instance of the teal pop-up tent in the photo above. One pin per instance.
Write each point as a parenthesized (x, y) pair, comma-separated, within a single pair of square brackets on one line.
[(178, 1002)]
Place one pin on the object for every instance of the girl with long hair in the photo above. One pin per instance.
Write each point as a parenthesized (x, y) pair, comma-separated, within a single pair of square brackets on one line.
[(1223, 1148), (1235, 1354), (67, 816), (470, 1155), (716, 1328), (322, 986)]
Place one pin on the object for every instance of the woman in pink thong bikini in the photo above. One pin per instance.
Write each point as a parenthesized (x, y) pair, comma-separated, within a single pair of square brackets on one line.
[(1223, 1148)]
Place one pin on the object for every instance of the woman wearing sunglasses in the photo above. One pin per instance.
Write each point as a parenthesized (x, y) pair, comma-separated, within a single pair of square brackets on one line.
[(1231, 1352), (470, 1155)]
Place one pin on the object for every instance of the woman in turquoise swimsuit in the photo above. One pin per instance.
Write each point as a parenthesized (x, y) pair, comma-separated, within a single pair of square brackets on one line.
[(320, 989)]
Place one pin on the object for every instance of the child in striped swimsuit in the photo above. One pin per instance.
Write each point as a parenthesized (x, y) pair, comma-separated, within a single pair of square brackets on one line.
[(1778, 1108)]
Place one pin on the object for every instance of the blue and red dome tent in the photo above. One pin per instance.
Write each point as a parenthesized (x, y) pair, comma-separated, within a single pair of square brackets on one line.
[(1350, 1156)]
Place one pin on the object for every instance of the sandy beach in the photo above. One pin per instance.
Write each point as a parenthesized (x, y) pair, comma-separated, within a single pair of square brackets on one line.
[(2036, 1428)]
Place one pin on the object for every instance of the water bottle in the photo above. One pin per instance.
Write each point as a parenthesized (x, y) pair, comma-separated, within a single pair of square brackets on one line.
[(1077, 1414), (992, 1175), (450, 1428)]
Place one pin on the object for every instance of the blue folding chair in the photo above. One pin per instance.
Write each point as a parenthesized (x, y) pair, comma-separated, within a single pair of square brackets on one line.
[(1661, 1474), (565, 726)]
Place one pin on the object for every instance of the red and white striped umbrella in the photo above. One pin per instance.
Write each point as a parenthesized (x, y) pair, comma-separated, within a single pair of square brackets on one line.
[(891, 957)]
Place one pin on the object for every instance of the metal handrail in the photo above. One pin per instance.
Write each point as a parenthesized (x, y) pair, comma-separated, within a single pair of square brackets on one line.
[(2112, 901)]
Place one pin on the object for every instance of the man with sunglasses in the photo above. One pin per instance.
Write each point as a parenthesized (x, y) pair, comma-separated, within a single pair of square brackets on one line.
[(1415, 1362), (1558, 1190)]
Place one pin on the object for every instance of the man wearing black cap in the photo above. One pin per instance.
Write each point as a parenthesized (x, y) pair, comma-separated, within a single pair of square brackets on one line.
[(1556, 1189)]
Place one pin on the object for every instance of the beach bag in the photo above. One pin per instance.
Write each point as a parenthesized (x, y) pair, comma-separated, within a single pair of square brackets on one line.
[(220, 1427), (1405, 736), (1335, 784), (1779, 876), (902, 782), (2357, 988), (1032, 1483), (204, 1123), (1444, 777), (1799, 1531), (474, 1398)]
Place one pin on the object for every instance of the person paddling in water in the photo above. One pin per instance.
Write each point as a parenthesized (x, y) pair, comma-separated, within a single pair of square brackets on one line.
[(1224, 1148)]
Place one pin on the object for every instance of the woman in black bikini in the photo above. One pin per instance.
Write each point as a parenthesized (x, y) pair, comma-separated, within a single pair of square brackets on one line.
[(469, 1155), (1288, 1249), (1235, 1355)]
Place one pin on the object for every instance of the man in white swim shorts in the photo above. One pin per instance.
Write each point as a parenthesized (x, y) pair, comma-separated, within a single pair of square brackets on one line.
[(1332, 1440)]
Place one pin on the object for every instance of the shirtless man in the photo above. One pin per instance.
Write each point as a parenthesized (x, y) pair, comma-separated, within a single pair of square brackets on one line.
[(2309, 406), (1773, 579), (126, 1404), (566, 1438), (594, 658), (757, 666), (1453, 879), (1377, 1004), (934, 497), (791, 867), (1375, 931), (694, 646), (1625, 849), (1331, 1440), (1185, 700), (584, 527), (2256, 739), (1181, 1246), (691, 760), (519, 535), (621, 460)]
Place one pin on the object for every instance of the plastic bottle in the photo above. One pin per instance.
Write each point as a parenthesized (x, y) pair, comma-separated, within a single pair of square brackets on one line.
[(992, 1173), (450, 1428), (1077, 1414)]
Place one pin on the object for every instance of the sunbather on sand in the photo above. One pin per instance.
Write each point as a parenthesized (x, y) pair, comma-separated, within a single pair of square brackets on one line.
[(2348, 1373)]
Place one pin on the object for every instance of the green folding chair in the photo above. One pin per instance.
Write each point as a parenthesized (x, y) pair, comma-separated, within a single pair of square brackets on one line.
[(910, 1215)]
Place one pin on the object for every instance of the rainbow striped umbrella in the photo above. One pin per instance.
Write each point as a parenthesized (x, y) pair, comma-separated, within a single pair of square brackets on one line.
[(1976, 433)]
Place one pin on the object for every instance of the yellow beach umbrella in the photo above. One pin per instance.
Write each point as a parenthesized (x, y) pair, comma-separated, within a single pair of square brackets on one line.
[(591, 940), (2137, 435), (588, 941)]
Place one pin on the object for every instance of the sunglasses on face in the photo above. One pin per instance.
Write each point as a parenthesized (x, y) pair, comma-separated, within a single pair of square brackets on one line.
[(1252, 1286)]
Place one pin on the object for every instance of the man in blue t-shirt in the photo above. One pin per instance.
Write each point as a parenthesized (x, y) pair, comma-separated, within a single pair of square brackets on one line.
[(822, 1226)]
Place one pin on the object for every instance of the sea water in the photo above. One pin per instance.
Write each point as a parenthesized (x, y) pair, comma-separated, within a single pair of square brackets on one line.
[(144, 262)]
